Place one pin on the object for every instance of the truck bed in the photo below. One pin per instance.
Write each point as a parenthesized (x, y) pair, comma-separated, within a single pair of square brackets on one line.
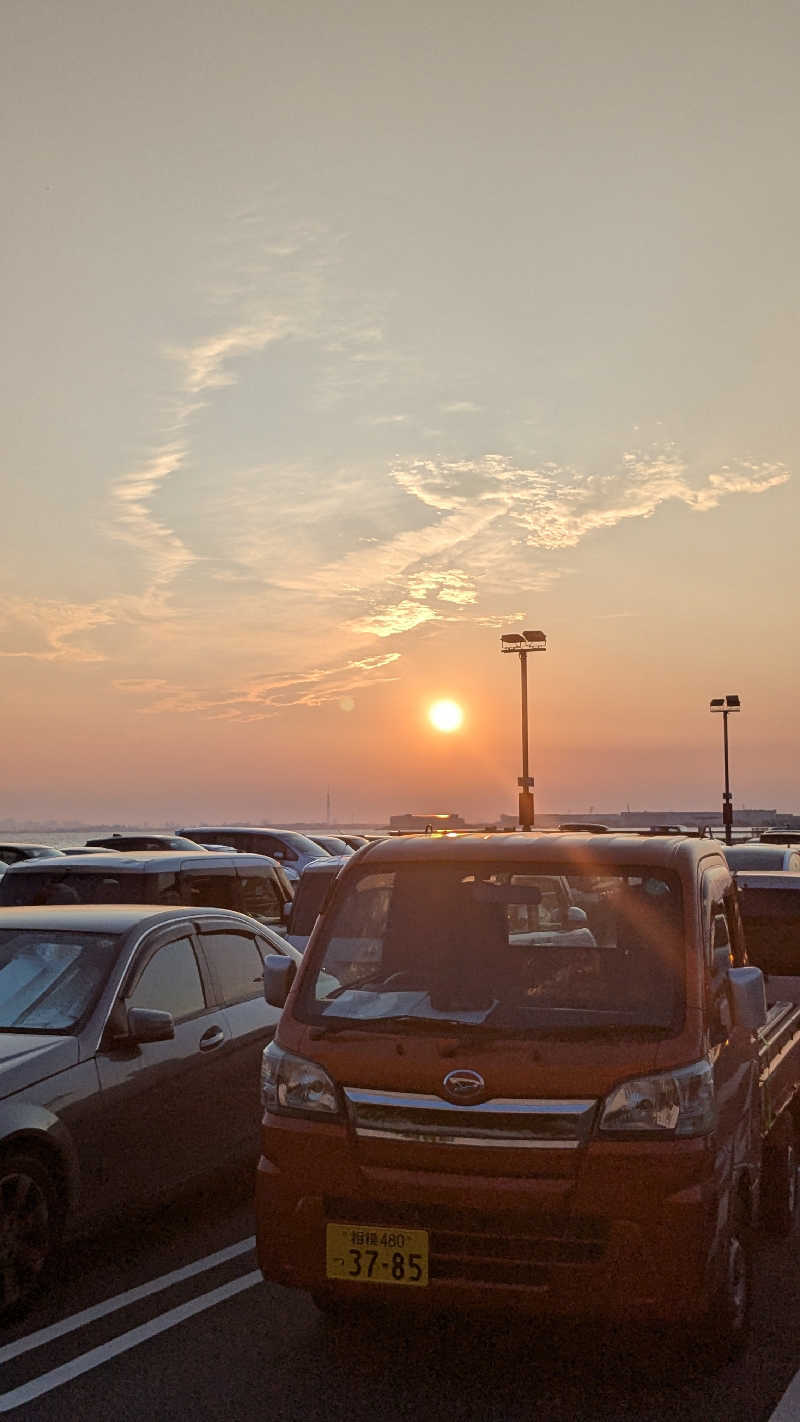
[(778, 1061)]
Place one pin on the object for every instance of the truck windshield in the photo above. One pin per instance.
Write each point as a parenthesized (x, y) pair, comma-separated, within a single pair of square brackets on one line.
[(513, 950)]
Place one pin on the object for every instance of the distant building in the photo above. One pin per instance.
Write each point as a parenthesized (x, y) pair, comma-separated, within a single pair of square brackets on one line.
[(644, 819)]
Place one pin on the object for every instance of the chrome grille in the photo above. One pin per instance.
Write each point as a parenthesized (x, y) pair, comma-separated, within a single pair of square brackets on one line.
[(504, 1123)]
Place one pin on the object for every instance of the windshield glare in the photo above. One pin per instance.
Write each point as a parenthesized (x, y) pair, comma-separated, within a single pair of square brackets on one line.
[(50, 979), (510, 950)]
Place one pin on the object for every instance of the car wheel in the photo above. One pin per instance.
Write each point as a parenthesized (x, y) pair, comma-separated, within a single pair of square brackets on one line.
[(779, 1194), (30, 1228), (725, 1327)]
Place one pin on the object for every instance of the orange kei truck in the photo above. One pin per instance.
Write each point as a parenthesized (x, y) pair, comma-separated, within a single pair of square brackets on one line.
[(529, 1072)]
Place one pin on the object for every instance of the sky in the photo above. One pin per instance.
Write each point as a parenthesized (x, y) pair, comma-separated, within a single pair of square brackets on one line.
[(341, 338)]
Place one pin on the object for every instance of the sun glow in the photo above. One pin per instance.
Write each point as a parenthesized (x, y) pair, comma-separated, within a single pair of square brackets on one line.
[(445, 715)]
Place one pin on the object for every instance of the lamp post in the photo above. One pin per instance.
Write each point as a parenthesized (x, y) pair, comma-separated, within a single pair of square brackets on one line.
[(522, 643), (724, 705)]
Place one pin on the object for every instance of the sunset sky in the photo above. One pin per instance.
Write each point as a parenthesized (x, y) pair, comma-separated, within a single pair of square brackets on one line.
[(339, 339)]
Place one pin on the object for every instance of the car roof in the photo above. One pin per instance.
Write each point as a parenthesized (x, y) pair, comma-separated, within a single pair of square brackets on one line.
[(576, 850), (222, 830), (111, 918), (770, 853), (142, 859)]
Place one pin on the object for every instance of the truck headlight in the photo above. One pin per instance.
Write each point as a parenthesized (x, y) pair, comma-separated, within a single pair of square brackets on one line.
[(675, 1103), (293, 1085)]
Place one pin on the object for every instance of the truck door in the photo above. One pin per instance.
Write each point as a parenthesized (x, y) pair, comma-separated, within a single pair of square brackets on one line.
[(732, 1050)]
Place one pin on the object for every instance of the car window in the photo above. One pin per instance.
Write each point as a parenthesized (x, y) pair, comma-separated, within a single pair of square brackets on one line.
[(170, 981), (260, 896), (236, 964), (204, 890)]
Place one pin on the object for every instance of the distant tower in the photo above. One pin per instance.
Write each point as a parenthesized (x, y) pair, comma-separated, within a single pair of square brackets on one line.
[(328, 807)]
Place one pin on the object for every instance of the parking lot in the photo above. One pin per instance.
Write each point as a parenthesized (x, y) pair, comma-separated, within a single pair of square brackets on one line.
[(166, 1313)]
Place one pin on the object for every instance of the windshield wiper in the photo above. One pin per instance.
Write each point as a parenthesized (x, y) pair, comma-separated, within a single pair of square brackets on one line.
[(357, 983)]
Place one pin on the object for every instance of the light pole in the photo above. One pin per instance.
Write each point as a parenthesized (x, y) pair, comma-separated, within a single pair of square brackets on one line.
[(522, 643), (724, 705)]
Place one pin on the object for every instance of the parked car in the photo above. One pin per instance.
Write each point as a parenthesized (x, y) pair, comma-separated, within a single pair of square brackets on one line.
[(331, 843), (130, 1040), (291, 849), (753, 855), (309, 896), (13, 853), (152, 842), (248, 883), (780, 836)]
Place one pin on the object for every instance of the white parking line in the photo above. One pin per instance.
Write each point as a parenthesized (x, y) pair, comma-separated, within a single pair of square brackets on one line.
[(788, 1409), (143, 1291), (96, 1356)]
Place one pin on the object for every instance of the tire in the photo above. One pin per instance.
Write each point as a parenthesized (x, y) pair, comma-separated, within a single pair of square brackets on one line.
[(724, 1329), (31, 1222), (779, 1192)]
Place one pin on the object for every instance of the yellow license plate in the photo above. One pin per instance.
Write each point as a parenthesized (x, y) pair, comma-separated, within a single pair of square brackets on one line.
[(374, 1254)]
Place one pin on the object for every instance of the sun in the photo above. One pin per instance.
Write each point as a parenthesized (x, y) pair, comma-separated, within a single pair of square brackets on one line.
[(445, 715)]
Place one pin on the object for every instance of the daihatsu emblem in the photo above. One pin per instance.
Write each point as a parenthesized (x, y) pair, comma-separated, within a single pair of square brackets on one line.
[(463, 1084)]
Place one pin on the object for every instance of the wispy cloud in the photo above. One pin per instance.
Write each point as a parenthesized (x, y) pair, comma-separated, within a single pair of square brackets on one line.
[(206, 366), (264, 696), (461, 407), (45, 631)]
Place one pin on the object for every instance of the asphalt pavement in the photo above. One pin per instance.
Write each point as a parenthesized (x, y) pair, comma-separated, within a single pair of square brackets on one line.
[(166, 1314)]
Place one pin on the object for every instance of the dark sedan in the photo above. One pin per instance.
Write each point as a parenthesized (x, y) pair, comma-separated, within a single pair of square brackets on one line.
[(130, 1047), (13, 852)]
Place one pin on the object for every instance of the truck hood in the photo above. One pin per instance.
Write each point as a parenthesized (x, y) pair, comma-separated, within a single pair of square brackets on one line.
[(26, 1058), (541, 1067)]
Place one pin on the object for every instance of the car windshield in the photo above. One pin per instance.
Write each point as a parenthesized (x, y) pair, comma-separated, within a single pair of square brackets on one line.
[(512, 951), (51, 978)]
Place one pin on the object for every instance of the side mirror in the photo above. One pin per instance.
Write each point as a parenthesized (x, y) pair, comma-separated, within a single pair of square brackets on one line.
[(286, 910), (577, 917), (278, 978), (147, 1024), (748, 998)]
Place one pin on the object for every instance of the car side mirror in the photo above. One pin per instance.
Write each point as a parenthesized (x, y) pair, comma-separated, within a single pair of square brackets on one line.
[(286, 910), (148, 1024), (577, 917), (278, 978), (748, 998)]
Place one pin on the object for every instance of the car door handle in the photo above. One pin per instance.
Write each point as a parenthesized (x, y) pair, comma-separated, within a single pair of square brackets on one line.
[(212, 1038)]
